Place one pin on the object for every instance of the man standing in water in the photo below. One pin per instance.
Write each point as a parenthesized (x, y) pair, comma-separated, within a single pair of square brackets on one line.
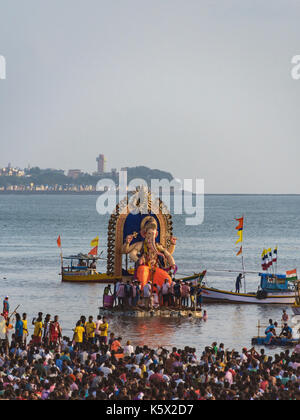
[(238, 283)]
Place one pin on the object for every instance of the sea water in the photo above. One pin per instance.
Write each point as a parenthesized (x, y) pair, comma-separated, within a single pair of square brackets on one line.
[(30, 262)]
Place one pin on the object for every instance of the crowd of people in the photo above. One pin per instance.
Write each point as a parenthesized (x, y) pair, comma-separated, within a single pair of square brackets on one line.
[(177, 294), (94, 364)]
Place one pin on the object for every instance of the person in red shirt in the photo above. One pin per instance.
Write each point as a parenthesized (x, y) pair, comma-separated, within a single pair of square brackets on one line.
[(55, 332), (156, 377)]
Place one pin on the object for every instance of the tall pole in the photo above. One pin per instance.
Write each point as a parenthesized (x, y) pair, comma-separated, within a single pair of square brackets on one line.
[(240, 229), (273, 268), (243, 267), (61, 261), (243, 262)]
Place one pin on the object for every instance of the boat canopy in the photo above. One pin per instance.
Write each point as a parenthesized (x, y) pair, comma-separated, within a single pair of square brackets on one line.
[(83, 257), (271, 282)]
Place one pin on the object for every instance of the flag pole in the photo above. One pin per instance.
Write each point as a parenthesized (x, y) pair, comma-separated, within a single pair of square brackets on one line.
[(272, 262), (61, 253), (267, 259), (61, 261), (241, 252), (243, 262), (244, 274)]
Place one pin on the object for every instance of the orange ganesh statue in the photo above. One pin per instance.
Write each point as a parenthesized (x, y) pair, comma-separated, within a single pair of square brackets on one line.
[(150, 257)]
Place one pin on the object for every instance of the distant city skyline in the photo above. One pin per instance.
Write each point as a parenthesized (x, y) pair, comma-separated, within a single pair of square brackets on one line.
[(100, 167), (198, 89)]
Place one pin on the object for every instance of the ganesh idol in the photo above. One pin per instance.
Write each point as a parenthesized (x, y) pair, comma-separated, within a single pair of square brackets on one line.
[(153, 261)]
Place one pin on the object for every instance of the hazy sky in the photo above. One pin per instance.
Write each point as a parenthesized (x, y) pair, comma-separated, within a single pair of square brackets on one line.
[(202, 89)]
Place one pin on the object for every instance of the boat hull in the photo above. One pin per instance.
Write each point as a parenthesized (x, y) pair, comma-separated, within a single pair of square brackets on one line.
[(279, 342), (222, 296), (69, 277), (88, 278)]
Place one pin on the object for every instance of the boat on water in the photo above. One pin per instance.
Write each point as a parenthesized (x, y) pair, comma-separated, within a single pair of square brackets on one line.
[(273, 290), (82, 269), (278, 342), (79, 271)]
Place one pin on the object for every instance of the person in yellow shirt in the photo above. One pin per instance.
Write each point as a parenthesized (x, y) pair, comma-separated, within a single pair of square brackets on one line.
[(90, 329), (25, 329), (78, 334), (83, 323), (104, 331), (38, 329)]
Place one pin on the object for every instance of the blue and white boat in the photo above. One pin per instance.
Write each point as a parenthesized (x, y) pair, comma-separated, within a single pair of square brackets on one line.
[(274, 289)]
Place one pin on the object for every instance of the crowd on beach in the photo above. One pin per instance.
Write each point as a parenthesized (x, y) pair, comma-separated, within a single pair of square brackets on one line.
[(94, 364), (177, 294)]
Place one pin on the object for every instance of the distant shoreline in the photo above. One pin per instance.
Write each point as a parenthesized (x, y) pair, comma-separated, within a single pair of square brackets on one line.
[(85, 193)]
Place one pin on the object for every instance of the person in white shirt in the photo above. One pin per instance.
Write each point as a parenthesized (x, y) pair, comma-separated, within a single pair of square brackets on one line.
[(97, 330), (139, 357), (128, 349), (147, 291), (37, 355), (105, 368)]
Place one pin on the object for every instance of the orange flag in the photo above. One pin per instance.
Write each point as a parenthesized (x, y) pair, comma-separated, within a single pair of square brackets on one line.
[(241, 223), (94, 251), (59, 242), (240, 252)]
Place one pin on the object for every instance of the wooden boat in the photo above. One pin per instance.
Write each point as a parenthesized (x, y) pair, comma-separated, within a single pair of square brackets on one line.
[(80, 272), (273, 290), (88, 278), (280, 342)]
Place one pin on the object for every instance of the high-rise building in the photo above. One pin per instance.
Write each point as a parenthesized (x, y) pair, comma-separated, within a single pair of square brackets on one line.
[(101, 164)]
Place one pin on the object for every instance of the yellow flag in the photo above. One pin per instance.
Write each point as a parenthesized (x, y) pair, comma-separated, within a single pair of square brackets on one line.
[(95, 242), (240, 235)]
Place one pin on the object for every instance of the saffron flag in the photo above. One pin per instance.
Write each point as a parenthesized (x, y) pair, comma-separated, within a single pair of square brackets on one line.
[(240, 251), (240, 229), (241, 223), (292, 275), (59, 242), (94, 251)]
